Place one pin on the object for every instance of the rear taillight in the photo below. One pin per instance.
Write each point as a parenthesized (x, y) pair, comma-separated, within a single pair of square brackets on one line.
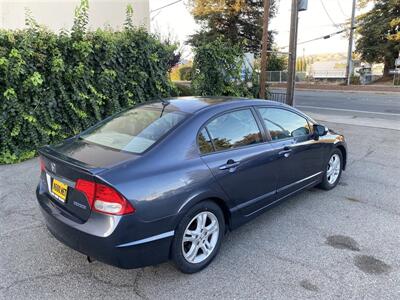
[(103, 198), (88, 188), (109, 201), (42, 165)]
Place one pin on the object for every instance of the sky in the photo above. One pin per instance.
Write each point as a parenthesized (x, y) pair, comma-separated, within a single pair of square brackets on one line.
[(177, 21)]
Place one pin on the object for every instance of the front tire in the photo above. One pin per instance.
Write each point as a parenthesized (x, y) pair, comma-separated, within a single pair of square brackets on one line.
[(333, 170), (198, 237)]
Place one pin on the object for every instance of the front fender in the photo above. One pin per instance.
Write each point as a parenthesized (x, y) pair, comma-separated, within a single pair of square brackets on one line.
[(341, 144)]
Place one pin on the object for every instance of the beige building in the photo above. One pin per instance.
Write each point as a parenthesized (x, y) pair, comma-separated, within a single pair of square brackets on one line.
[(59, 14)]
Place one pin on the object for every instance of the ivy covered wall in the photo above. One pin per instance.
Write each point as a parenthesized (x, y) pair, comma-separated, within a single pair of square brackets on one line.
[(53, 86)]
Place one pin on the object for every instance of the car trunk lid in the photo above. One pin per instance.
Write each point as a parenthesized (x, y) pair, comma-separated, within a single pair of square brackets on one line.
[(60, 174), (89, 155)]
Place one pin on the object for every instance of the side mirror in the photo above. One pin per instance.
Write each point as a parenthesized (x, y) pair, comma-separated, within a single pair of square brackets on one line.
[(320, 130)]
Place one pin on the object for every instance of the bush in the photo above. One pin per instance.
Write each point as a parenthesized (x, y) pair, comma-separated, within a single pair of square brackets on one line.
[(181, 72), (53, 86), (185, 73), (217, 71), (174, 74), (184, 89), (276, 62), (355, 80)]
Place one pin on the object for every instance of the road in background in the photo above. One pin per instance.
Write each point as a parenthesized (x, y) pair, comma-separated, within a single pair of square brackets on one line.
[(376, 109)]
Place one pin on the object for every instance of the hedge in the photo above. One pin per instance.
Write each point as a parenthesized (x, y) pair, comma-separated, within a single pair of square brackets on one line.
[(52, 86)]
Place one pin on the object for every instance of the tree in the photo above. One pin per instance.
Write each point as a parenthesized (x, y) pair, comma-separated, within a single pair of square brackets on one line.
[(394, 34), (379, 33), (239, 21), (217, 70), (276, 62)]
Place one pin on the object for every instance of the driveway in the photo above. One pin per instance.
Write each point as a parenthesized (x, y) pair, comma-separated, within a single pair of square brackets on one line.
[(338, 244)]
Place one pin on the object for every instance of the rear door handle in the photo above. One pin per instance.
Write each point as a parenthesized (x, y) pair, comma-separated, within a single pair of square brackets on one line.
[(230, 164)]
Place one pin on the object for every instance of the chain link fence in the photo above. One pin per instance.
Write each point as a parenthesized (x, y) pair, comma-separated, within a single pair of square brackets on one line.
[(282, 76)]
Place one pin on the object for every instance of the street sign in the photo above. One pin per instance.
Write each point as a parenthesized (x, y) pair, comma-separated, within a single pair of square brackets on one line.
[(302, 5), (395, 71)]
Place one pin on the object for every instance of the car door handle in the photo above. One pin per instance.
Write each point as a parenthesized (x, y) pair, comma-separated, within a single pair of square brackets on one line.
[(229, 165), (285, 152)]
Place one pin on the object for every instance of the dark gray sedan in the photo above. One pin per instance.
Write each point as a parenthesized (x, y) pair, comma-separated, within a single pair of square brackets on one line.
[(166, 179)]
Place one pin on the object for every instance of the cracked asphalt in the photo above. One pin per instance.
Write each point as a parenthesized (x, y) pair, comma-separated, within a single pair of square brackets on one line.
[(338, 244)]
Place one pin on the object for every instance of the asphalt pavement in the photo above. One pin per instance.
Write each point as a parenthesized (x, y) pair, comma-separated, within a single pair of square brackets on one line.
[(374, 109), (370, 102), (341, 244)]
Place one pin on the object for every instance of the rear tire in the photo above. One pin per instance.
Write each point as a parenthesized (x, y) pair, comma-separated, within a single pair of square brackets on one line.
[(198, 237), (333, 170)]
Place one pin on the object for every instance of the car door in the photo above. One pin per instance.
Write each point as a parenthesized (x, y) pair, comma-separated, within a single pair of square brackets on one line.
[(233, 147), (298, 154)]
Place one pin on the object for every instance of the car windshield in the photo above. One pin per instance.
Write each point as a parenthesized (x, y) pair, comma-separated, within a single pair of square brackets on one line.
[(134, 130)]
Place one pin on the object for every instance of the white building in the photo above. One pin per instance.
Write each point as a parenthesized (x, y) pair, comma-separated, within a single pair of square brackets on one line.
[(59, 14), (330, 69)]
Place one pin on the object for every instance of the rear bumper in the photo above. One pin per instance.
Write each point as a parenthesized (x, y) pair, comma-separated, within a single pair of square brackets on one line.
[(116, 245)]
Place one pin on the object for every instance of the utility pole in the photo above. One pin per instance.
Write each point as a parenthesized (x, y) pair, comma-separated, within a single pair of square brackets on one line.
[(264, 49), (349, 67), (294, 19), (297, 5)]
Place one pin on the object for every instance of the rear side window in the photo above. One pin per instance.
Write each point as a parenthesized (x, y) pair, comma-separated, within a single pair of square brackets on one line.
[(205, 144), (232, 130), (134, 130), (283, 124)]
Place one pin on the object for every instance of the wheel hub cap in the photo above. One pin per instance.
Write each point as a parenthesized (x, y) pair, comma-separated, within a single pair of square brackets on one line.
[(200, 237), (333, 169)]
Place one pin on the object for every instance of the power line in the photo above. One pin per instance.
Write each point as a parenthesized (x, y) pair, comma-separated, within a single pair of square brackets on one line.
[(321, 37), (162, 7), (329, 16), (153, 17), (341, 9)]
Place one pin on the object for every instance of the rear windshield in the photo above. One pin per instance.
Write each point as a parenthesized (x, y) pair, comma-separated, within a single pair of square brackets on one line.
[(134, 130)]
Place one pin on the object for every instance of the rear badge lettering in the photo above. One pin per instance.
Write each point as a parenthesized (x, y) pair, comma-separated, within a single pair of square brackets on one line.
[(79, 205)]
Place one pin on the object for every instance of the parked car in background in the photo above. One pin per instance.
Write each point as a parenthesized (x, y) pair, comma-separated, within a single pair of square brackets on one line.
[(166, 179)]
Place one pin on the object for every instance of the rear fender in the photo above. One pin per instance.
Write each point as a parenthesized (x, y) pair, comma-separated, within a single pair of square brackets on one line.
[(219, 197)]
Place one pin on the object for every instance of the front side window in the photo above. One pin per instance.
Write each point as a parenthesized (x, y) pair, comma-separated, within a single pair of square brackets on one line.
[(234, 129), (283, 124), (134, 130)]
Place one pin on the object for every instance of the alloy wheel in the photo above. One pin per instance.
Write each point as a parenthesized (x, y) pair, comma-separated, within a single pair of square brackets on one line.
[(333, 169), (200, 237)]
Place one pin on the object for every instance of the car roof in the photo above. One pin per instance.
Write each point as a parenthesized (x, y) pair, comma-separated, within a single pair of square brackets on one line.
[(193, 104)]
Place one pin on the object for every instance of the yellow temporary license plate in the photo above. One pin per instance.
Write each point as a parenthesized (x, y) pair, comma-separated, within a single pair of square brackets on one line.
[(59, 189)]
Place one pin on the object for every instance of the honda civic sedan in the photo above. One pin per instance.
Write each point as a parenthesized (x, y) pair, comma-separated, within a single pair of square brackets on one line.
[(167, 179)]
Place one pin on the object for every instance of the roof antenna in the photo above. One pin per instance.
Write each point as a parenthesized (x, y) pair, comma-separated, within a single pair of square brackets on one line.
[(164, 103)]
